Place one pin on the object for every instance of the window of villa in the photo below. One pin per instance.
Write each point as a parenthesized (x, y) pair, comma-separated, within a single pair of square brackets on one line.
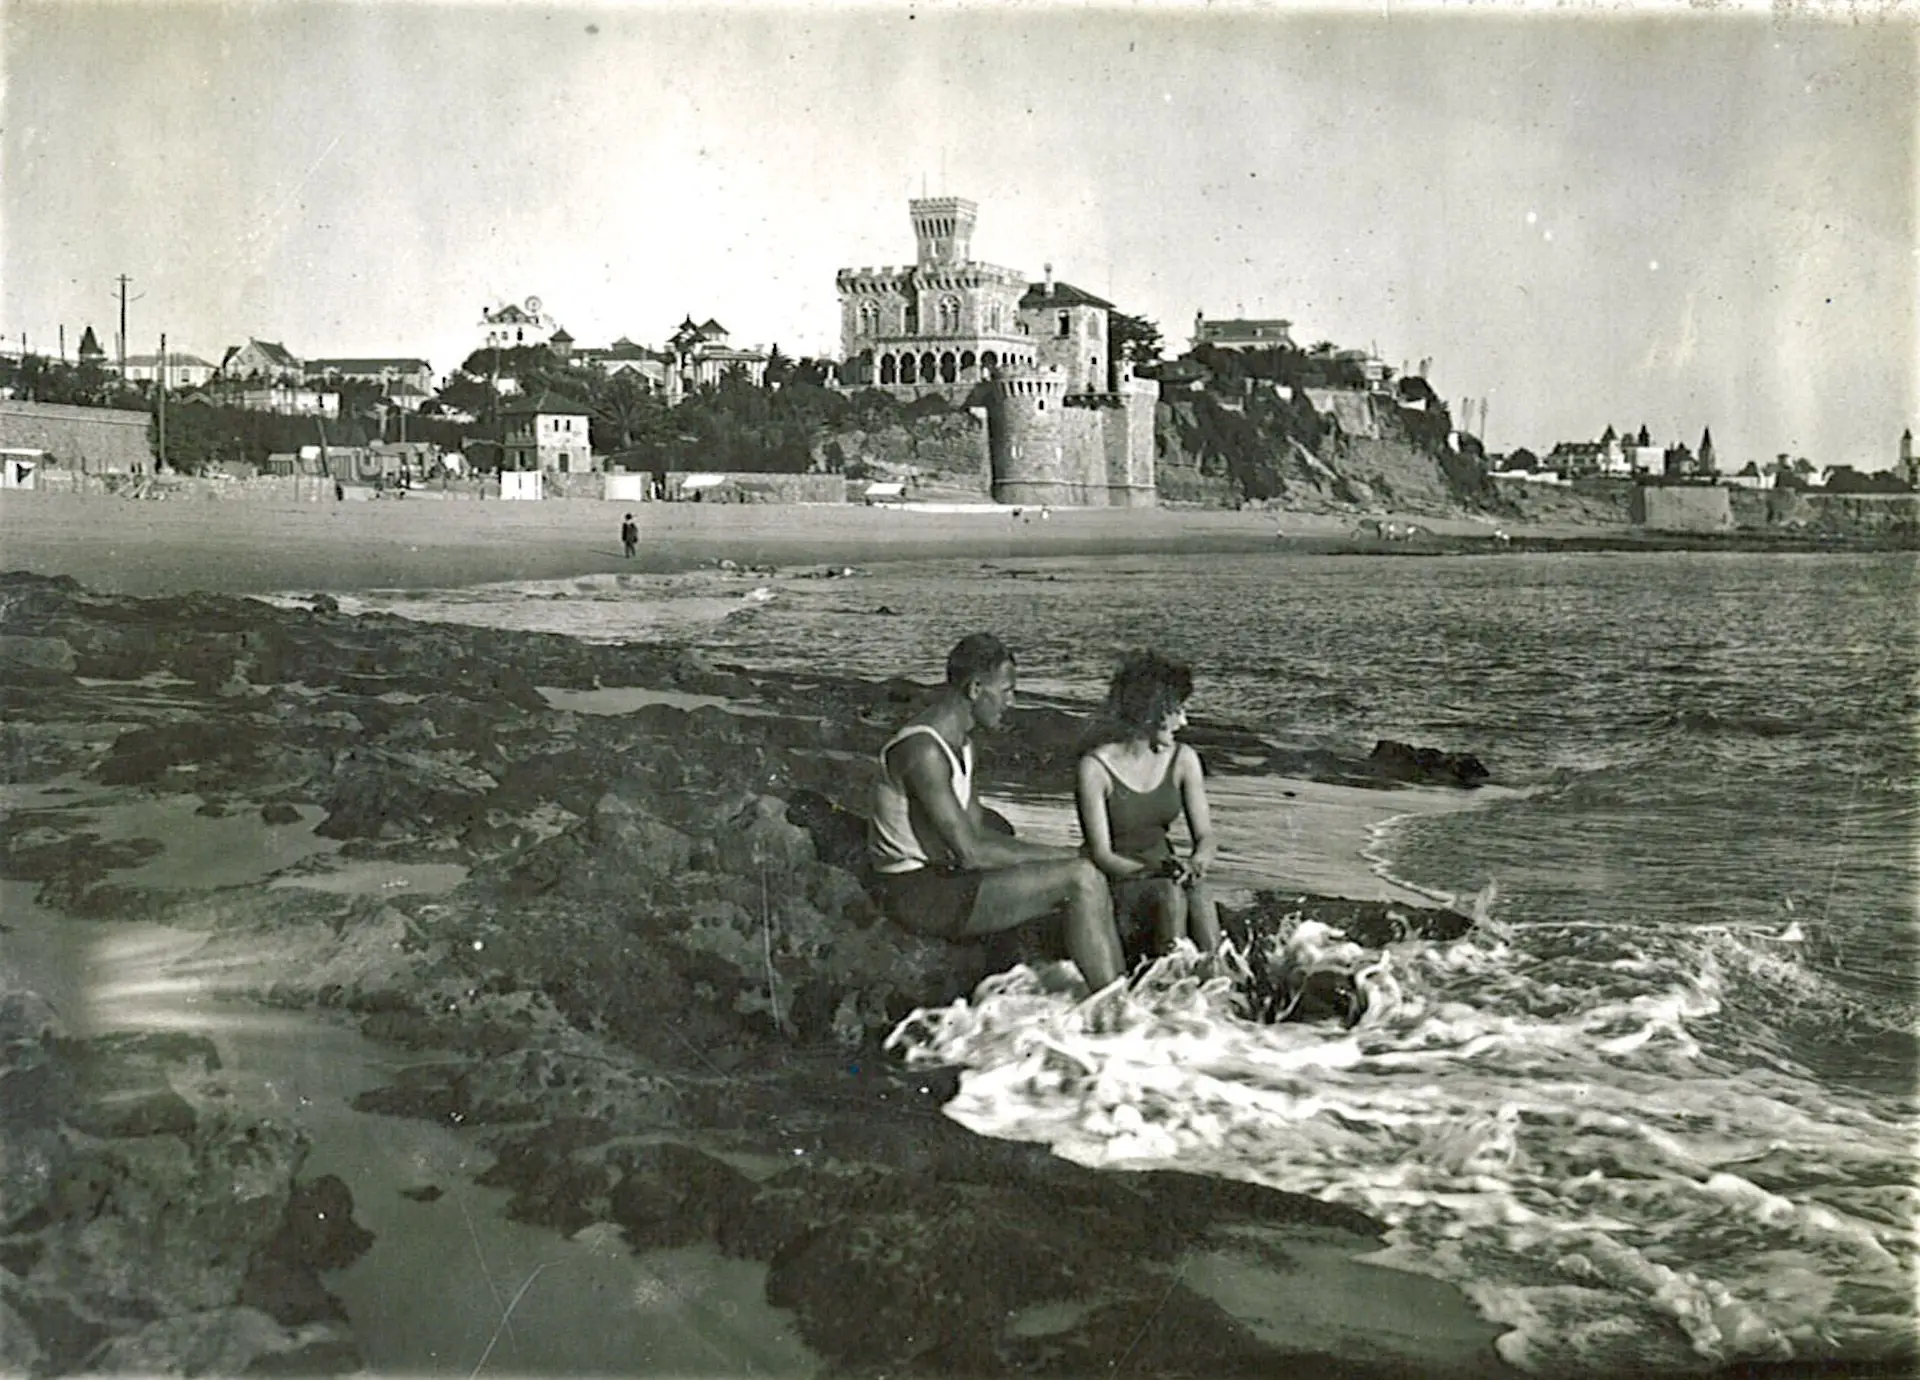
[(1063, 324), (949, 315)]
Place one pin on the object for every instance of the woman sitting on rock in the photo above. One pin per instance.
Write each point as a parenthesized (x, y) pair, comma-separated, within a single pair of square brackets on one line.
[(1130, 785)]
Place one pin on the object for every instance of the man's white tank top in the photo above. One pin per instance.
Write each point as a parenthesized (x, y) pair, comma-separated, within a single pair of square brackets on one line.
[(891, 839)]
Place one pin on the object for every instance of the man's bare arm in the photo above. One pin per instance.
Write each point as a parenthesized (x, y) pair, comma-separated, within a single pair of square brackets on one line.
[(922, 769)]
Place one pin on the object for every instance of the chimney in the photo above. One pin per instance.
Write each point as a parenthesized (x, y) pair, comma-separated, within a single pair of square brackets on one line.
[(1049, 268)]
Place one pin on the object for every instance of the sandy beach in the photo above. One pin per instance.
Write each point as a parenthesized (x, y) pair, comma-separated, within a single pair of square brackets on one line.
[(143, 547)]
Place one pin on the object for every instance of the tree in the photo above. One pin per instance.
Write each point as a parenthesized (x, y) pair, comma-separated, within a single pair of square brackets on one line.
[(1132, 337), (779, 368), (623, 409)]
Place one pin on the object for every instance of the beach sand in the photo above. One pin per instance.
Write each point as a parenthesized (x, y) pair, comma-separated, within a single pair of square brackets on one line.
[(134, 546)]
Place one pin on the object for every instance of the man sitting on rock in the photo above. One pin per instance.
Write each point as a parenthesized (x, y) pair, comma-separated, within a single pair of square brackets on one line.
[(943, 871)]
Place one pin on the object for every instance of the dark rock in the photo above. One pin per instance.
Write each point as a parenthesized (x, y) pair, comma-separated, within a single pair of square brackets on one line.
[(552, 1185), (226, 752), (425, 1193), (318, 1227), (47, 661), (323, 603), (279, 812), (674, 1195), (1422, 765)]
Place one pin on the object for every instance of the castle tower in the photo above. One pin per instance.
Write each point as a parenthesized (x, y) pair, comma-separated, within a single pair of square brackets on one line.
[(1026, 433), (943, 228)]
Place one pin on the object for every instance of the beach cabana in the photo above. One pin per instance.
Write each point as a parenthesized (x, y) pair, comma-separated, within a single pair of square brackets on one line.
[(20, 466), (521, 484)]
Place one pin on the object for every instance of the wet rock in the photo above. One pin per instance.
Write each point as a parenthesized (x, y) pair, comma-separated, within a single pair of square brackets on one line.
[(316, 1233), (323, 603), (228, 1341), (20, 1351), (224, 753), (167, 1225), (279, 812), (673, 1195), (1424, 765), (553, 1185), (36, 660)]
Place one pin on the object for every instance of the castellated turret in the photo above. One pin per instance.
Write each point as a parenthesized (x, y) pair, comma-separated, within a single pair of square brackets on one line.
[(1034, 442), (943, 227)]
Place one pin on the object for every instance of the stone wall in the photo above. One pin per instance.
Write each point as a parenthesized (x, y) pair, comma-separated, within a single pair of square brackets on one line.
[(93, 440), (1682, 508)]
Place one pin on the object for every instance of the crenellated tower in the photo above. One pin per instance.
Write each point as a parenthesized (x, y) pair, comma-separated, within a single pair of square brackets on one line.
[(943, 228)]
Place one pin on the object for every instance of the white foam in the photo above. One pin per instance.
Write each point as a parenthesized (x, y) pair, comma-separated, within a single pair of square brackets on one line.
[(1554, 1134)]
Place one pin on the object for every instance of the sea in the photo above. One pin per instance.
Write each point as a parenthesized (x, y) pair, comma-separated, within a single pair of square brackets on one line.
[(1657, 1110)]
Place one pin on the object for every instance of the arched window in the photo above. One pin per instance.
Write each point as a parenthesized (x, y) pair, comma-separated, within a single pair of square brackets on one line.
[(869, 319), (928, 366), (948, 369), (993, 316), (988, 359), (949, 315), (908, 372), (966, 359), (888, 373), (910, 319)]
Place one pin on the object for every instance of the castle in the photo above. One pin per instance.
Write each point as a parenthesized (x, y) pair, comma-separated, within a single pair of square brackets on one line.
[(1066, 424)]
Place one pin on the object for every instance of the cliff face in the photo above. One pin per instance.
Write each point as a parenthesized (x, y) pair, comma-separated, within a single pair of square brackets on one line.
[(943, 446), (1316, 450), (1311, 450)]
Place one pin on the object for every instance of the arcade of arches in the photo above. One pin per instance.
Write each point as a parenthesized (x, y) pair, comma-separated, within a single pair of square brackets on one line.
[(908, 366)]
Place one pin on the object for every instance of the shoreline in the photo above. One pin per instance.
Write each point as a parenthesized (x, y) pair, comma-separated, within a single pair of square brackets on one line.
[(132, 546), (389, 822)]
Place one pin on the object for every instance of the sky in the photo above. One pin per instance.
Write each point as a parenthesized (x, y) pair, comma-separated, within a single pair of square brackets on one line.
[(1677, 217)]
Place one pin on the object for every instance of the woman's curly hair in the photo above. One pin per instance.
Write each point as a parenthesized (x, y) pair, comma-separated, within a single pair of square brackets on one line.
[(1146, 689)]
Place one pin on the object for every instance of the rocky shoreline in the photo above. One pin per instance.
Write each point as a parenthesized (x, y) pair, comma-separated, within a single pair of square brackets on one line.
[(660, 952)]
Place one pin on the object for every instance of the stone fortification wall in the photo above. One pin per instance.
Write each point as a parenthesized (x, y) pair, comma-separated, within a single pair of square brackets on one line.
[(1682, 508), (1868, 515), (1050, 446), (264, 488), (93, 440), (1128, 440)]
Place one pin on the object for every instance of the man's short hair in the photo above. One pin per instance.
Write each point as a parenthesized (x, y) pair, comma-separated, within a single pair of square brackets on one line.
[(975, 655)]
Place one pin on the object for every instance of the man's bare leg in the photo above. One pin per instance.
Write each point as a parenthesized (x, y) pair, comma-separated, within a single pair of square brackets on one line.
[(1011, 896)]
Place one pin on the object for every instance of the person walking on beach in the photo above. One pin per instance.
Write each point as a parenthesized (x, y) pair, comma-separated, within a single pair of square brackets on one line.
[(629, 536), (1129, 787), (941, 869)]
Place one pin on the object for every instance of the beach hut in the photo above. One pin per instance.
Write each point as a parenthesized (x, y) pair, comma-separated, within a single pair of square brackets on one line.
[(20, 466), (626, 487), (699, 487), (887, 491), (520, 484)]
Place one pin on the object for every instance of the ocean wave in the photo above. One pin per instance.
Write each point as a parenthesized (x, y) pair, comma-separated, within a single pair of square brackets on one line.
[(1556, 1131)]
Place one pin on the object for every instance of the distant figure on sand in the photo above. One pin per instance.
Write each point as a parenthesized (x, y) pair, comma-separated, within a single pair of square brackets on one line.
[(630, 536), (942, 869), (1129, 788)]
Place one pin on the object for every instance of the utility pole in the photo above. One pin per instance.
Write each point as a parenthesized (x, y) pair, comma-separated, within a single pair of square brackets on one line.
[(160, 467), (123, 280)]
